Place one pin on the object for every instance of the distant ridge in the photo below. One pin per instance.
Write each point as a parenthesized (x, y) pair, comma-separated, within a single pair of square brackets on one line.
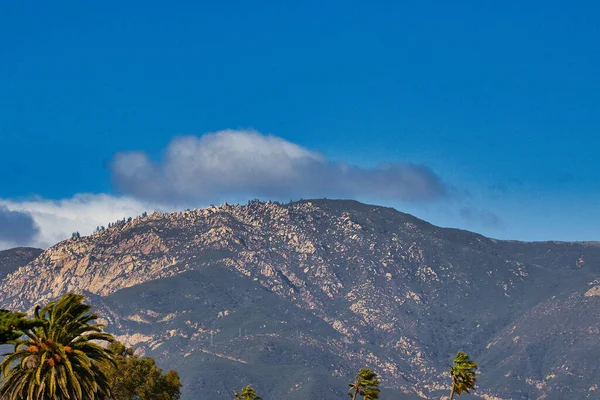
[(12, 259)]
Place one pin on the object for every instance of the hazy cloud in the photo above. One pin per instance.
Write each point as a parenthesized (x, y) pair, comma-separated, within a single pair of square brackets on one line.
[(481, 217), (54, 221), (248, 163), (17, 227)]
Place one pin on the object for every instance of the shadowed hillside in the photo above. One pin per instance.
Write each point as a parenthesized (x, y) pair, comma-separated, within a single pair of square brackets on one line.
[(11, 260)]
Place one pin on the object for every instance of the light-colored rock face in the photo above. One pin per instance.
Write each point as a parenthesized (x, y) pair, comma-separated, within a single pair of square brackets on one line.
[(400, 294), (595, 291), (84, 265)]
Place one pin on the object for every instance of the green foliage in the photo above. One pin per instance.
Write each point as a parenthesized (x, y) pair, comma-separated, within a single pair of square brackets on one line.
[(365, 384), (12, 325), (60, 358), (248, 393), (463, 373), (139, 378)]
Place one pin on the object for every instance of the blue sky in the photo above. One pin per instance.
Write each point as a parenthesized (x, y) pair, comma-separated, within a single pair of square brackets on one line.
[(498, 101)]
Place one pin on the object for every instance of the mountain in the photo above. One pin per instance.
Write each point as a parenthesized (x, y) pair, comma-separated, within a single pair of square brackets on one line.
[(12, 259), (295, 298)]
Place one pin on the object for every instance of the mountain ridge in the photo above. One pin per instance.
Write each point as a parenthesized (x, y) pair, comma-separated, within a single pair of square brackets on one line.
[(386, 290)]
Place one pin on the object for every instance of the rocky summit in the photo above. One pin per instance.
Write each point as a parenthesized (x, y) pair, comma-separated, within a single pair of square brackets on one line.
[(295, 298)]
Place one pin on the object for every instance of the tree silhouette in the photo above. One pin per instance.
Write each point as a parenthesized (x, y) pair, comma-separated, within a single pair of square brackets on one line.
[(139, 378), (248, 393), (366, 384), (463, 374), (12, 325)]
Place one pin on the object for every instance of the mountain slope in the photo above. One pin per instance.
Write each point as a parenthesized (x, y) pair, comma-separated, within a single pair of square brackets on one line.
[(12, 259), (297, 297)]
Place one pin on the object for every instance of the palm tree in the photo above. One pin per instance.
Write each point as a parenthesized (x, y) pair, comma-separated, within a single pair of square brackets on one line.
[(247, 394), (366, 384), (61, 359), (463, 374)]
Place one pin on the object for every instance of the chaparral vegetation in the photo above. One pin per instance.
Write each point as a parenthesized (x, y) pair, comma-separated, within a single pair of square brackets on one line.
[(62, 353)]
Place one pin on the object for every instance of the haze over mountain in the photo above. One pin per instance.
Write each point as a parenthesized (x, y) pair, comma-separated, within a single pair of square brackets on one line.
[(295, 298)]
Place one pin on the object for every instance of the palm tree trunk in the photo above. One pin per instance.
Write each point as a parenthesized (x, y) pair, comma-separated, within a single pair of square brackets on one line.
[(453, 387), (355, 393), (452, 393)]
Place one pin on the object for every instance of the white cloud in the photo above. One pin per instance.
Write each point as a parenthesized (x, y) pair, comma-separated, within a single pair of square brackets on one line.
[(227, 165), (233, 164), (58, 219)]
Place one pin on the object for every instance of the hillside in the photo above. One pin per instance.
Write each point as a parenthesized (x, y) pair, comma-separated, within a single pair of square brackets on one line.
[(295, 298), (12, 259)]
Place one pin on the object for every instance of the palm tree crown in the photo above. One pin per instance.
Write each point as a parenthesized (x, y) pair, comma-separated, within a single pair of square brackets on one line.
[(366, 384), (463, 374), (61, 359)]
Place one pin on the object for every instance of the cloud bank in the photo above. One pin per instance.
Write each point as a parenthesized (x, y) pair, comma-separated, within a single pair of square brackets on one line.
[(249, 164), (198, 170), (42, 223)]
